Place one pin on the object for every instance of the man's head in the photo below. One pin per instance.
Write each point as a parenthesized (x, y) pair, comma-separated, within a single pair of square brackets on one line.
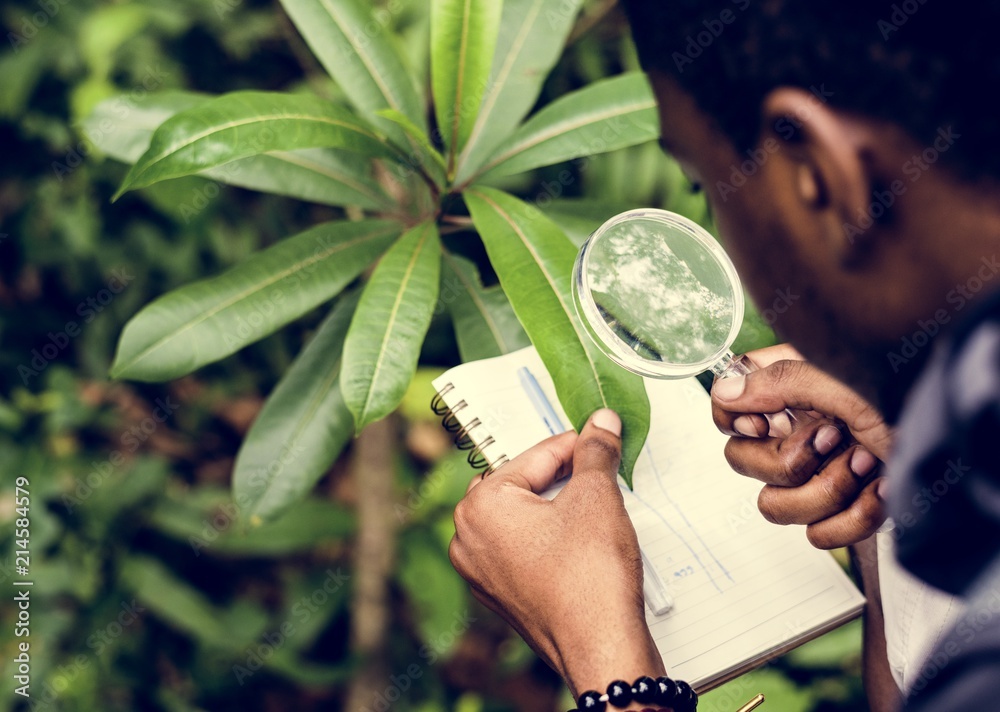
[(848, 151)]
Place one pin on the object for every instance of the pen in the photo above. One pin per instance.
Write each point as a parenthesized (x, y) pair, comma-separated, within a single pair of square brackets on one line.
[(542, 405), (653, 588), (752, 704)]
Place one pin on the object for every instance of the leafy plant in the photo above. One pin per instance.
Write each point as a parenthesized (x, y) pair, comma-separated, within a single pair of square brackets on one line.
[(408, 168)]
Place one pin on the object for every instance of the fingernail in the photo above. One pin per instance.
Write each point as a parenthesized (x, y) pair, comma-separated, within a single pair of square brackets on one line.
[(882, 489), (862, 462), (607, 419), (745, 425), (827, 438), (727, 389)]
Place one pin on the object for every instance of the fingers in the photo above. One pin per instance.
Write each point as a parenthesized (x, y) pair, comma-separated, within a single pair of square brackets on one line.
[(598, 451), (798, 385), (762, 358), (823, 496), (788, 461), (536, 469), (856, 523), (476, 479)]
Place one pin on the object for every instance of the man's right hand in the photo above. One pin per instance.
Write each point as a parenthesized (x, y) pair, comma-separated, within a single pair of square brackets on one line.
[(837, 497)]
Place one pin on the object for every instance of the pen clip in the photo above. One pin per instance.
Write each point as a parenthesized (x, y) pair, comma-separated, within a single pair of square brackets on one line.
[(752, 704)]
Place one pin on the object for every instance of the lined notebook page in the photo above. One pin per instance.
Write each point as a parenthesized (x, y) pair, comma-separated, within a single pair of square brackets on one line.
[(744, 590)]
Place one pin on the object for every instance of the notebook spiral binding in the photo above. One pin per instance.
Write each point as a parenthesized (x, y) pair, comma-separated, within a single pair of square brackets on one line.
[(463, 433)]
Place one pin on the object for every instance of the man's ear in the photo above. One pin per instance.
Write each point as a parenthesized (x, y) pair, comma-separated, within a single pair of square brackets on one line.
[(829, 178)]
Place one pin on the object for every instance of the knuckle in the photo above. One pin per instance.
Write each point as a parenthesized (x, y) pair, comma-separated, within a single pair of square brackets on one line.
[(791, 379), (601, 447), (783, 372), (768, 507), (868, 516), (733, 456), (463, 517), (788, 471), (831, 489), (865, 418), (455, 554)]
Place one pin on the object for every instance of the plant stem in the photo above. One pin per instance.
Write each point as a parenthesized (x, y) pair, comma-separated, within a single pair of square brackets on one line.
[(588, 22), (374, 553)]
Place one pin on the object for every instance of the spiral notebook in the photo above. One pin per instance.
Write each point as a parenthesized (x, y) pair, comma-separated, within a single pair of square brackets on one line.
[(744, 590)]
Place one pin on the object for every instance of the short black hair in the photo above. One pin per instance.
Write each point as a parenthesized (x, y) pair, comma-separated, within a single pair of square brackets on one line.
[(925, 65)]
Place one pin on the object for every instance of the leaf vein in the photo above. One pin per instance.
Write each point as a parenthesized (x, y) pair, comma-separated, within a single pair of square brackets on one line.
[(552, 283), (365, 59), (565, 127), (393, 315), (225, 304), (194, 138), (498, 83)]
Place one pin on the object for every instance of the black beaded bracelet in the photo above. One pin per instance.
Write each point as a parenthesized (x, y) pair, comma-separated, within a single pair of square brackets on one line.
[(677, 695)]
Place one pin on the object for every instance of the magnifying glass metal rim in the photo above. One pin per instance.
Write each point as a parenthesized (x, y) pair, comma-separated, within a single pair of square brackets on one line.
[(605, 337)]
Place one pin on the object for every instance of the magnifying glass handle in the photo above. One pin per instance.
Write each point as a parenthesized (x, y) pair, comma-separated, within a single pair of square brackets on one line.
[(782, 423)]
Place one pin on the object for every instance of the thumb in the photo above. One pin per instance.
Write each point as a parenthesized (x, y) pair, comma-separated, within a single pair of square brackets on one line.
[(598, 450), (537, 468)]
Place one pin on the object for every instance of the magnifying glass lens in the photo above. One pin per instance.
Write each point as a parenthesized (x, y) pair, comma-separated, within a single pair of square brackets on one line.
[(658, 294)]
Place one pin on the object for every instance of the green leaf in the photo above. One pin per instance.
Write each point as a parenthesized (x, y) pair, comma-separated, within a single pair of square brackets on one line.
[(485, 323), (579, 217), (311, 523), (439, 596), (208, 320), (534, 261), (463, 39), (425, 156), (243, 124), (301, 429), (532, 35), (122, 128), (604, 116), (349, 39), (174, 601), (383, 342)]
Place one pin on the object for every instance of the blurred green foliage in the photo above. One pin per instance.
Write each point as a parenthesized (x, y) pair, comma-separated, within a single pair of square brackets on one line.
[(149, 594)]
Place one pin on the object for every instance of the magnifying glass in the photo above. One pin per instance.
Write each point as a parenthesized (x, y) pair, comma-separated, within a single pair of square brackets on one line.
[(660, 297)]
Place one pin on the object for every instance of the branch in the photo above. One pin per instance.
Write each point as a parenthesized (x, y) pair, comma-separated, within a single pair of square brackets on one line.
[(374, 555)]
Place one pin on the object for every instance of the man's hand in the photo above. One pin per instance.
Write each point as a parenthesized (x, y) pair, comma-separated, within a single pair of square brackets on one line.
[(566, 573), (837, 497)]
